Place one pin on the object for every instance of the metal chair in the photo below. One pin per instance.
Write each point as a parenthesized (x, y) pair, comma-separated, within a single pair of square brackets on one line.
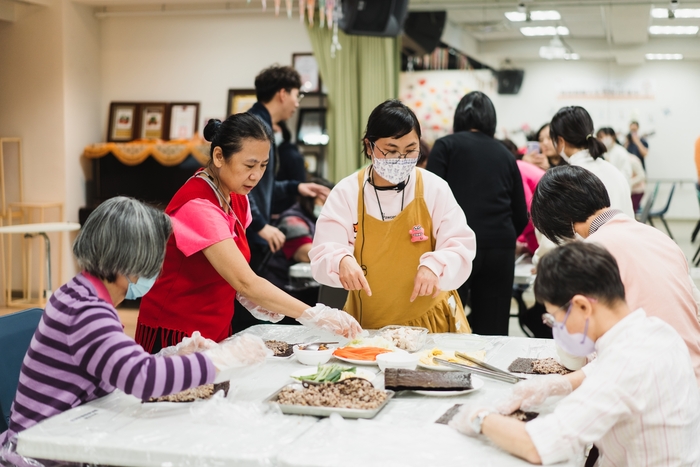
[(643, 214), (16, 332), (660, 213)]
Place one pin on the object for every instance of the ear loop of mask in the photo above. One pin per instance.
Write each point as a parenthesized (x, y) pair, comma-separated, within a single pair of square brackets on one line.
[(585, 328)]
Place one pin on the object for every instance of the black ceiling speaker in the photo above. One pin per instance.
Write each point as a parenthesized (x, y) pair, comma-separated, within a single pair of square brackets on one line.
[(373, 17), (509, 81), (423, 29)]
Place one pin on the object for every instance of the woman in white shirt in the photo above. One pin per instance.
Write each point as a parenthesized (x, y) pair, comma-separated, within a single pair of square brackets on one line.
[(616, 154), (572, 134)]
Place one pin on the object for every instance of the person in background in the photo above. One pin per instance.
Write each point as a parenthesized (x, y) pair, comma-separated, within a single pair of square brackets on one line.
[(393, 235), (206, 262), (79, 351), (277, 91), (637, 182), (298, 223), (487, 184), (291, 166), (697, 161), (639, 404), (616, 154), (548, 156), (531, 175), (571, 201), (636, 144)]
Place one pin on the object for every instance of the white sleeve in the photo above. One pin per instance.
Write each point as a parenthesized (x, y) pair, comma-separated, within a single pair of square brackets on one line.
[(335, 232), (455, 242)]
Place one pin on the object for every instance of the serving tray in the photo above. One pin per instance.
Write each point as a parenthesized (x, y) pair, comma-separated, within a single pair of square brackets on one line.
[(318, 411)]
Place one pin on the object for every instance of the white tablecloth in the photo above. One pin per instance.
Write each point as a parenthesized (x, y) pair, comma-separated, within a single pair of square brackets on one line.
[(240, 430)]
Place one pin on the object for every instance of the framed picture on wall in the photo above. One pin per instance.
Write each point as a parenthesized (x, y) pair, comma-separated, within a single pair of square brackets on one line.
[(307, 66), (153, 121), (240, 100), (311, 127), (123, 121), (184, 120)]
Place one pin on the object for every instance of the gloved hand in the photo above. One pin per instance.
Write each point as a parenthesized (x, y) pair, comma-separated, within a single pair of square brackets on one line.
[(531, 393), (257, 311), (237, 352), (189, 345), (462, 421), (330, 319)]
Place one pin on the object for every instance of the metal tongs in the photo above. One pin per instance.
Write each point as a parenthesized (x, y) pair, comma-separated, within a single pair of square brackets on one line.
[(499, 375)]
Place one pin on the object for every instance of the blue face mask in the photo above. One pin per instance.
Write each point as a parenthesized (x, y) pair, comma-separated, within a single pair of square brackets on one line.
[(576, 344), (140, 288)]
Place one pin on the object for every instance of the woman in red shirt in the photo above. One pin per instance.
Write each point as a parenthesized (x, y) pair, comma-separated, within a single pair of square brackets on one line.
[(206, 259)]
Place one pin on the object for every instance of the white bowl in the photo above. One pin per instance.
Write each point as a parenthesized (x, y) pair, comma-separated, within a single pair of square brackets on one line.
[(569, 361), (313, 357), (397, 360)]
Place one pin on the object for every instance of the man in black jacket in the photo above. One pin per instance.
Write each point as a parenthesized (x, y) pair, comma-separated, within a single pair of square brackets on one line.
[(277, 90)]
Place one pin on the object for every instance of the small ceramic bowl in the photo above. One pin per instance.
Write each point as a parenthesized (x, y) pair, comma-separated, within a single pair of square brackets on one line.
[(397, 360), (313, 357), (571, 362)]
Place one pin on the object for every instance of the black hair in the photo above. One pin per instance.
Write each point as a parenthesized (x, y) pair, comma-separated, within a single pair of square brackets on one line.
[(390, 119), (307, 202), (578, 268), (511, 147), (566, 195), (575, 125), (272, 79), (475, 112), (634, 122), (229, 134), (546, 125), (424, 153), (606, 130), (286, 134)]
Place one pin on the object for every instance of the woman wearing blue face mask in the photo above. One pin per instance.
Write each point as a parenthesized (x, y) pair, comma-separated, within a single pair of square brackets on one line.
[(393, 235), (79, 351)]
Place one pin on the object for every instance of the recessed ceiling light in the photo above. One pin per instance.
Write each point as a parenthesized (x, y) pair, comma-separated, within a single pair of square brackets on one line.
[(686, 30), (664, 56), (544, 15), (545, 31), (679, 13)]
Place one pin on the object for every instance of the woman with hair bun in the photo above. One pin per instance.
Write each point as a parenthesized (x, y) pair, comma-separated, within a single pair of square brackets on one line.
[(574, 139), (206, 262)]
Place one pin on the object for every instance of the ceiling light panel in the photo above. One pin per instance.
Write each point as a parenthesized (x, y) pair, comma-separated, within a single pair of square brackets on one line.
[(672, 30), (664, 56), (545, 15), (545, 31), (679, 13)]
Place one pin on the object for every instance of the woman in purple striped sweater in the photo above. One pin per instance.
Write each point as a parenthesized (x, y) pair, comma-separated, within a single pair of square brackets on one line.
[(79, 352)]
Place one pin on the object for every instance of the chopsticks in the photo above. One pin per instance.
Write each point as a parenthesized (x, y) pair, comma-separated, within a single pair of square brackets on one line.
[(500, 376)]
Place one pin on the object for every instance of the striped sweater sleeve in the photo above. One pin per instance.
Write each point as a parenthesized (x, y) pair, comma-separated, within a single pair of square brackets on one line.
[(101, 349)]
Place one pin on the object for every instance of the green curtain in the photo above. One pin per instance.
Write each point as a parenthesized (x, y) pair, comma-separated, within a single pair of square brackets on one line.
[(363, 74)]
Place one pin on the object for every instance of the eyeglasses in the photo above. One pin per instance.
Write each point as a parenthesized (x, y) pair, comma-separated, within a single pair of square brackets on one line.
[(397, 155), (549, 320)]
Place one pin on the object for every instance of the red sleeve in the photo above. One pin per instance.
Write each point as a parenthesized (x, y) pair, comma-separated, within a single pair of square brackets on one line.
[(291, 246), (199, 224)]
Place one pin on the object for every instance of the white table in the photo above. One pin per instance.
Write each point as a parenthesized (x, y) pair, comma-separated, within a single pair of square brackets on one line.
[(31, 230), (240, 431)]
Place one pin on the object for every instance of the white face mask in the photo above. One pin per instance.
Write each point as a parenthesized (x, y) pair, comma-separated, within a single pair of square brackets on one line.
[(394, 170), (608, 141), (279, 139)]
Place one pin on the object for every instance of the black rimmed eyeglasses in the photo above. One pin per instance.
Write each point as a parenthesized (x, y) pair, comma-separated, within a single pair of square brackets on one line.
[(414, 154)]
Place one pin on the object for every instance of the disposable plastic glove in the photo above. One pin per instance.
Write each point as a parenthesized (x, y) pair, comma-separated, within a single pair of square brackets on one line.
[(257, 311), (189, 345), (531, 393), (237, 352), (330, 319), (462, 421)]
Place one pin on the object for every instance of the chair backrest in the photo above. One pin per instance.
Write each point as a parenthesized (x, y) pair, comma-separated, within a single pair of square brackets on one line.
[(663, 210), (332, 296), (644, 214), (16, 332)]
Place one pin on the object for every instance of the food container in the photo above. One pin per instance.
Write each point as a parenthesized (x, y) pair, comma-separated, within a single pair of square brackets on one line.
[(409, 338), (318, 411), (313, 357), (397, 360), (569, 361)]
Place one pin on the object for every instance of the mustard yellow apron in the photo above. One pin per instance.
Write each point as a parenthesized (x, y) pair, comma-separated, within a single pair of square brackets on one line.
[(391, 260)]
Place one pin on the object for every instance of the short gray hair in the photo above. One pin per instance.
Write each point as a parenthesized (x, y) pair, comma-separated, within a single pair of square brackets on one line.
[(123, 236)]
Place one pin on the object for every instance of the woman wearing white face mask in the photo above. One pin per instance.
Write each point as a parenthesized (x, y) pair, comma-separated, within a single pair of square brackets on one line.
[(571, 130), (393, 235), (616, 154)]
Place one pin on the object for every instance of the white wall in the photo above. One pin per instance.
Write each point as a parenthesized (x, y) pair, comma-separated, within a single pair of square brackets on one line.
[(195, 58), (673, 113)]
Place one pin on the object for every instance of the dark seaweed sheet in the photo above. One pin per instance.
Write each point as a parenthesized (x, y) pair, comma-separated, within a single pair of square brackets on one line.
[(452, 411)]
